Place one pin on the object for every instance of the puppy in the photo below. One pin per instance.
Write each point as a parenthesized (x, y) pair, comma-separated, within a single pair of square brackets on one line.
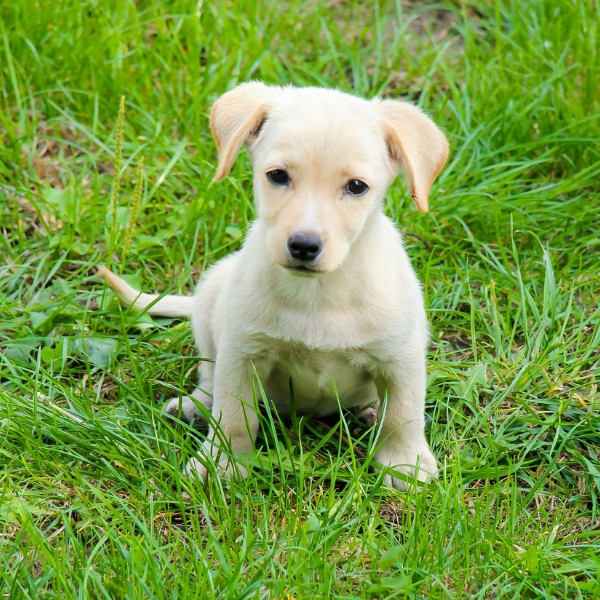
[(321, 299)]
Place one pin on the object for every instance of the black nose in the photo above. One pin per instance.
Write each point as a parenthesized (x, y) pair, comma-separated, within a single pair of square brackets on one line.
[(305, 246)]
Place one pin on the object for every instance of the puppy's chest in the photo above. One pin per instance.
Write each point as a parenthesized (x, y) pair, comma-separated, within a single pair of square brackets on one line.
[(332, 331), (315, 377)]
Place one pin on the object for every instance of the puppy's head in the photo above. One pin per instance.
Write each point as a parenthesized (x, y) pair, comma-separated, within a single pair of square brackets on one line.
[(323, 161)]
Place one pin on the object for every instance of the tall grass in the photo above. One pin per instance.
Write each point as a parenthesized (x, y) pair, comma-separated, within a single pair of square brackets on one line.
[(93, 503)]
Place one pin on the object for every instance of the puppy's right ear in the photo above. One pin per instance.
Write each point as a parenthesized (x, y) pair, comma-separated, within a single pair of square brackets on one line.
[(236, 117)]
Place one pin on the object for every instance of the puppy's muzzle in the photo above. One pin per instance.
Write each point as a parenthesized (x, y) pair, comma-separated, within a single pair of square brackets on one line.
[(305, 247)]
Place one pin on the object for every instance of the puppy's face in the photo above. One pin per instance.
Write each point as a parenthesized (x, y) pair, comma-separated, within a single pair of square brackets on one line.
[(321, 169), (322, 163)]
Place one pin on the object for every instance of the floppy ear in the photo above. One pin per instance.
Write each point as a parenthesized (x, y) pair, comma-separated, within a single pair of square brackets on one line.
[(416, 143), (237, 116)]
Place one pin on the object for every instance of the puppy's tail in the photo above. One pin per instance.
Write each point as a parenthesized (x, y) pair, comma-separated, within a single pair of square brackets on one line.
[(153, 304)]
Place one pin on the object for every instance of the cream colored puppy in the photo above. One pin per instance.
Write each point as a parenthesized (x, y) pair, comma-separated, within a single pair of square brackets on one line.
[(321, 298)]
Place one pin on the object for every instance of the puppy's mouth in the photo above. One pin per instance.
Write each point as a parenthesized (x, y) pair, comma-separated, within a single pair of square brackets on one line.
[(302, 270)]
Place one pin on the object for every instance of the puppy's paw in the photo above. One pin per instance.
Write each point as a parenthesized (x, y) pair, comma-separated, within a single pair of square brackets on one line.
[(227, 469), (184, 409), (194, 468), (368, 416), (417, 462)]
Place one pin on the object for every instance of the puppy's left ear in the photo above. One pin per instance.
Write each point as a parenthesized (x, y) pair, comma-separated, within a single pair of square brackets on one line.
[(236, 117), (416, 144)]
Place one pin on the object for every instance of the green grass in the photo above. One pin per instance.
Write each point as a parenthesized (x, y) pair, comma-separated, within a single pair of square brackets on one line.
[(92, 500)]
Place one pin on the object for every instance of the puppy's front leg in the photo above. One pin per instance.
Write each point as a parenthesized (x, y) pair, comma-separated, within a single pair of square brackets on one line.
[(233, 411), (402, 436)]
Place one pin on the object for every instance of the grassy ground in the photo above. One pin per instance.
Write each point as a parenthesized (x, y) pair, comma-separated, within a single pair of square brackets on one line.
[(92, 501)]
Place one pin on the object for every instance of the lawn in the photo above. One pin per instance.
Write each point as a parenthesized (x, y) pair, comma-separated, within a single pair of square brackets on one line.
[(93, 503)]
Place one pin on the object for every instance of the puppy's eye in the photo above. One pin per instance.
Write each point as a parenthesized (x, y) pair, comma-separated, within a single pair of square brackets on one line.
[(278, 177), (356, 187)]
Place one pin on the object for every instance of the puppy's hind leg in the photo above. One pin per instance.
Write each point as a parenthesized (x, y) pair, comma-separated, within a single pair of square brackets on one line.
[(368, 415), (369, 410), (203, 317), (186, 408)]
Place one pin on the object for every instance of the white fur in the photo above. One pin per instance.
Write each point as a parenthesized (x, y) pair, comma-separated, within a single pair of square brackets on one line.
[(356, 319)]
